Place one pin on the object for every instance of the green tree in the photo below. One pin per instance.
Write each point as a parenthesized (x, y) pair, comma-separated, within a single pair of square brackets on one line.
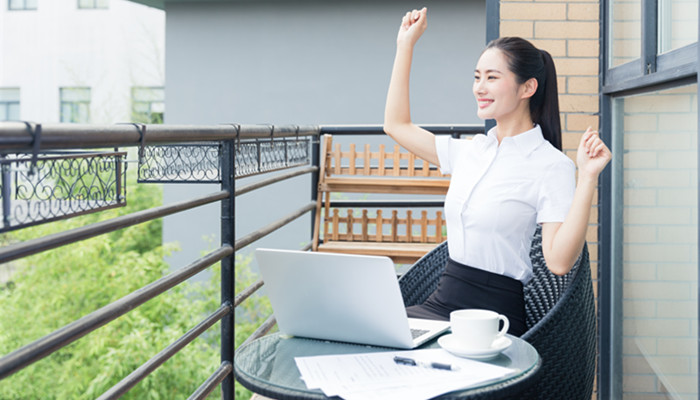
[(56, 287)]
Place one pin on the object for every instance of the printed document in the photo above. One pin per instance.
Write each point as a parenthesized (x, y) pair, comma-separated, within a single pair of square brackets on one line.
[(370, 376)]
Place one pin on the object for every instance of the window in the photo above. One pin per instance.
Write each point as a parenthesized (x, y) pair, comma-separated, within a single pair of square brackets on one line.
[(656, 180), (649, 248), (678, 24), (625, 31), (147, 104), (9, 104), (75, 105), (93, 4), (21, 4)]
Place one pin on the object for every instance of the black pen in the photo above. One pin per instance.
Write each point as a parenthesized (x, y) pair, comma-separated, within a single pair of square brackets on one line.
[(435, 365)]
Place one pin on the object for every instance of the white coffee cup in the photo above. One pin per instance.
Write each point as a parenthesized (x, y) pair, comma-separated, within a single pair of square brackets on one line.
[(477, 329)]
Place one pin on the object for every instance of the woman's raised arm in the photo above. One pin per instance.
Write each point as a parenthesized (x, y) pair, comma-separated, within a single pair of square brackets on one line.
[(397, 113), (562, 242)]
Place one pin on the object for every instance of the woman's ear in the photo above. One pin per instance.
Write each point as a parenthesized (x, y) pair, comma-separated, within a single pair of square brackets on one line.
[(529, 88)]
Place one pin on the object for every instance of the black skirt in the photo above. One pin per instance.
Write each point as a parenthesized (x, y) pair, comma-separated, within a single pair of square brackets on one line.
[(462, 286)]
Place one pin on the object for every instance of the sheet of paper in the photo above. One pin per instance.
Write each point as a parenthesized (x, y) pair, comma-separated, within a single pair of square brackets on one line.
[(371, 376)]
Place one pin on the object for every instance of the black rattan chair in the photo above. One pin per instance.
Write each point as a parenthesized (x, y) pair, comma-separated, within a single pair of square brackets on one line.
[(560, 318)]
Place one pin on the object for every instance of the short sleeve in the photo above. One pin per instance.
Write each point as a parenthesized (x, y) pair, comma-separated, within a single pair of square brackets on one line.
[(442, 147), (556, 192)]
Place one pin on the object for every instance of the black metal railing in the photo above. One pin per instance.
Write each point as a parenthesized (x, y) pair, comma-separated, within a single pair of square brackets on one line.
[(191, 154), (166, 153)]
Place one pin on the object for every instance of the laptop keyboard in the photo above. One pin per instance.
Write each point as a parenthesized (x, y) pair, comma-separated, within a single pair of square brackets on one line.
[(418, 332)]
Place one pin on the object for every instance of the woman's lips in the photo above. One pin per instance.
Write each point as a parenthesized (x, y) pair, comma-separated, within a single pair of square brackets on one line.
[(483, 103)]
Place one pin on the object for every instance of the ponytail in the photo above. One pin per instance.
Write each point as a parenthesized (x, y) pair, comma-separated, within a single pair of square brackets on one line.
[(547, 112), (526, 61)]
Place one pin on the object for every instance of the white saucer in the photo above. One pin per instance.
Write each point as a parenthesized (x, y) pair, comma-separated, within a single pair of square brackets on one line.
[(448, 343)]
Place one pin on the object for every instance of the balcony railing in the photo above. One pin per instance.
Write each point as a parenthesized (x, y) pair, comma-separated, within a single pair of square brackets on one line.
[(42, 182)]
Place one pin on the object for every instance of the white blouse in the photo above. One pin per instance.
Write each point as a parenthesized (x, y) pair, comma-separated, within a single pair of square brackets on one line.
[(498, 194)]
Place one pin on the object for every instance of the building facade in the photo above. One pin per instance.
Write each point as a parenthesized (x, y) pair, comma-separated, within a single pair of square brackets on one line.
[(84, 61)]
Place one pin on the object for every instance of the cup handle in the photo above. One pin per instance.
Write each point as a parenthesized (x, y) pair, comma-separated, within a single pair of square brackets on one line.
[(506, 325)]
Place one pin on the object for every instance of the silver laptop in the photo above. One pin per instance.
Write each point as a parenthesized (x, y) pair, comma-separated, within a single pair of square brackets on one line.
[(341, 297)]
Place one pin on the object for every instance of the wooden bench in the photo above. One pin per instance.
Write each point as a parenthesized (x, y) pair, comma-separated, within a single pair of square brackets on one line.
[(398, 232)]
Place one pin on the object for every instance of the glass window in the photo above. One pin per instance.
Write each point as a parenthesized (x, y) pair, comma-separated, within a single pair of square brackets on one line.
[(9, 104), (147, 105), (625, 31), (21, 4), (75, 105), (91, 4), (678, 24), (658, 182)]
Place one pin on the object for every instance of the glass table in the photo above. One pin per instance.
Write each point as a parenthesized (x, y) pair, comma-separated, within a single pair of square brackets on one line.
[(266, 366)]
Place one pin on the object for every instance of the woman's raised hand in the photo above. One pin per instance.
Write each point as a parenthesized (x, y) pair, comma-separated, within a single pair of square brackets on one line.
[(412, 26), (593, 155)]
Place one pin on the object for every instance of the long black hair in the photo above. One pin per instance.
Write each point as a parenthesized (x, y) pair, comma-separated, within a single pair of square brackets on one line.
[(526, 61)]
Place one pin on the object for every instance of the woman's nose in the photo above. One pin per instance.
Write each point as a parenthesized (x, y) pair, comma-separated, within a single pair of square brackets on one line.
[(478, 86)]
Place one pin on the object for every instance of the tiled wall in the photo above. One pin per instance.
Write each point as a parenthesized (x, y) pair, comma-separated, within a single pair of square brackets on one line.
[(660, 236)]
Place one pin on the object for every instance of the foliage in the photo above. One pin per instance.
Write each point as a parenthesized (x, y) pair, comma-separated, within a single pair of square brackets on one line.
[(56, 287)]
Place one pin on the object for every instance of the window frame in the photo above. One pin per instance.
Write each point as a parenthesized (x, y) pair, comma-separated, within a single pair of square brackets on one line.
[(63, 102), (24, 6), (95, 5), (150, 103), (651, 72), (7, 104)]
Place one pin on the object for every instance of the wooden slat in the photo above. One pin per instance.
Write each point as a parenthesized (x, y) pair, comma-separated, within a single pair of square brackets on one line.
[(396, 167), (337, 158), (387, 185), (365, 226), (335, 224), (367, 160), (380, 226), (403, 253), (352, 159), (382, 160)]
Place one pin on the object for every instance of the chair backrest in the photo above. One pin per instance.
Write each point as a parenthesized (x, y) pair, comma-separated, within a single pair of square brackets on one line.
[(560, 314)]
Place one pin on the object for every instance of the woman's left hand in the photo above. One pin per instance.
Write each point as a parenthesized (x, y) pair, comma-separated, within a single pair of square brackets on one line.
[(593, 155)]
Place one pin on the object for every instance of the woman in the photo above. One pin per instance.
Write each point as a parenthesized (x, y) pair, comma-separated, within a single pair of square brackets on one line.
[(504, 183)]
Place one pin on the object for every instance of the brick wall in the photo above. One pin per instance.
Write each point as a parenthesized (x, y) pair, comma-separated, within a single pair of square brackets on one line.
[(660, 244), (569, 31)]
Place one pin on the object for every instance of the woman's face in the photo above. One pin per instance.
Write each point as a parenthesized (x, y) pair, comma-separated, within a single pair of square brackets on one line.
[(496, 89)]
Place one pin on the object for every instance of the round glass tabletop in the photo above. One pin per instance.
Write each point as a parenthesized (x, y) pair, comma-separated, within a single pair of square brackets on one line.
[(266, 366)]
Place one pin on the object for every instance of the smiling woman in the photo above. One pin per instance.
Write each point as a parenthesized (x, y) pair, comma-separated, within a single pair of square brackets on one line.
[(504, 183)]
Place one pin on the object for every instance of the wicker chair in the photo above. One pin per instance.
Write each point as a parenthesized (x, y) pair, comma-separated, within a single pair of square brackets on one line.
[(560, 319)]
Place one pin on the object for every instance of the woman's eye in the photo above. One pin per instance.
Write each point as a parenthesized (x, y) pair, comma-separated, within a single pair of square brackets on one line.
[(492, 77)]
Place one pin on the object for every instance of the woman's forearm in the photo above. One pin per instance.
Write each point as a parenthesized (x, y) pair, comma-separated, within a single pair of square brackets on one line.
[(563, 243)]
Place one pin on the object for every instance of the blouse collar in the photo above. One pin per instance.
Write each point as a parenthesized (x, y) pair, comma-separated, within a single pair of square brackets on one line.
[(526, 142)]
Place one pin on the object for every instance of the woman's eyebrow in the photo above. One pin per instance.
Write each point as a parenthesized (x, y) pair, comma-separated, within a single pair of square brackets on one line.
[(488, 71)]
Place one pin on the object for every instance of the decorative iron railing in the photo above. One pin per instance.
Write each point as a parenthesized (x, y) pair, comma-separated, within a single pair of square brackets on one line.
[(55, 186), (61, 185), (167, 153)]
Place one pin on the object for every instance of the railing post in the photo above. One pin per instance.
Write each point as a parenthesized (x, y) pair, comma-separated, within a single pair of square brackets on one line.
[(315, 161), (6, 192), (227, 264)]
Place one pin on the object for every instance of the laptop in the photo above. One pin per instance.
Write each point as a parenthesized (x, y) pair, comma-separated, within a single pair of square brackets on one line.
[(341, 297)]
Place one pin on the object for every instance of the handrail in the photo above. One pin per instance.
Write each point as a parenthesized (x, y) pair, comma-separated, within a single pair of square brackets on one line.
[(274, 179), (33, 246), (203, 391), (144, 370), (41, 348), (23, 138), (252, 237), (16, 137)]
